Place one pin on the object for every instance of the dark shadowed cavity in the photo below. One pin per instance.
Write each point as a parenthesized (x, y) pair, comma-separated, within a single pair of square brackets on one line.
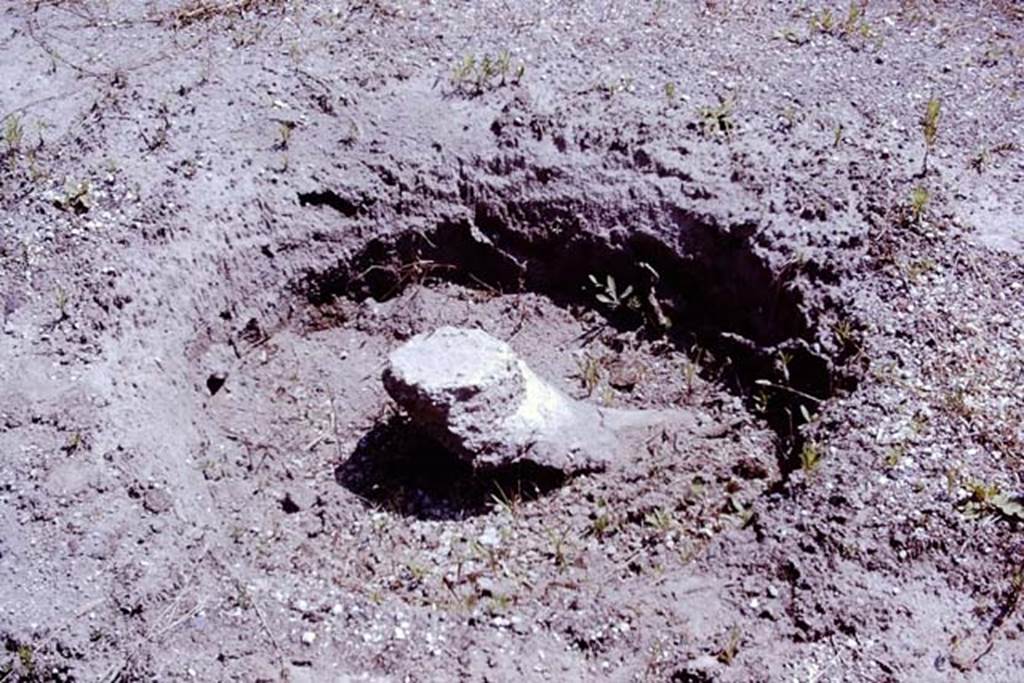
[(399, 468)]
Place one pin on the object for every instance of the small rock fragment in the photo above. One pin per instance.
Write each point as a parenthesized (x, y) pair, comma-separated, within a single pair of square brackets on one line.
[(157, 501), (624, 375)]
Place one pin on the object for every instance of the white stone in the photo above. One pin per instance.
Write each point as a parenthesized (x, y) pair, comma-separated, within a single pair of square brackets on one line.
[(476, 397)]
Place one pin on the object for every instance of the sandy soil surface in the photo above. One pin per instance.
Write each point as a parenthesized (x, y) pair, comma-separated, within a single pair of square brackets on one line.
[(802, 221)]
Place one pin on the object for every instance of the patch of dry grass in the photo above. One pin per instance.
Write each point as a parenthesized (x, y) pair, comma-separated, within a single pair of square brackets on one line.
[(196, 11)]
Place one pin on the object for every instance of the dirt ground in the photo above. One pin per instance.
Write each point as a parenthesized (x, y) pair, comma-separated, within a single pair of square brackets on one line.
[(802, 220)]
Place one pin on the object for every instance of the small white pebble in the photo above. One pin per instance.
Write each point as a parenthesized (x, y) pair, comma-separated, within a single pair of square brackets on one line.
[(489, 537), (308, 638)]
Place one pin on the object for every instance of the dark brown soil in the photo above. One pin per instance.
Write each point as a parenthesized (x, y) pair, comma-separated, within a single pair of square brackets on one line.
[(217, 218)]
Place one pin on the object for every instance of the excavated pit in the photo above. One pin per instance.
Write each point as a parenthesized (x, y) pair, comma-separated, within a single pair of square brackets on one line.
[(709, 294)]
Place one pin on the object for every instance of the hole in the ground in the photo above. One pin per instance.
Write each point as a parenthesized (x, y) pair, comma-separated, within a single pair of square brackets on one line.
[(401, 469), (288, 505), (710, 294), (342, 205)]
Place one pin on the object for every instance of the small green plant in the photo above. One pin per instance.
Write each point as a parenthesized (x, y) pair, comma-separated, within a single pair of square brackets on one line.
[(589, 369), (505, 502), (895, 455), (930, 128), (601, 525), (14, 132), (718, 120), (62, 304), (853, 18), (823, 21), (810, 457), (762, 402), (838, 137), (856, 24), (34, 170), (782, 364), (918, 269), (559, 548), (955, 401), (465, 71), (980, 492), (486, 553), (417, 571), (690, 371), (26, 657), (473, 75), (952, 480), (790, 117), (502, 603), (602, 522), (242, 598), (73, 444), (844, 332), (727, 655), (988, 500), (609, 294), (670, 93), (660, 519), (853, 25), (284, 135), (919, 197)]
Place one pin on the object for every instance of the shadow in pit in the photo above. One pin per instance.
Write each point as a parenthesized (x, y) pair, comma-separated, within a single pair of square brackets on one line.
[(399, 468), (703, 286)]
